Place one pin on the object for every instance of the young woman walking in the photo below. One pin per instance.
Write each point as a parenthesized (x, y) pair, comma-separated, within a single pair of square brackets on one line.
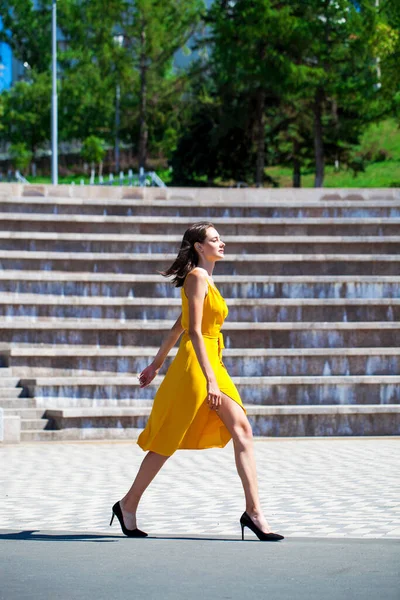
[(197, 405)]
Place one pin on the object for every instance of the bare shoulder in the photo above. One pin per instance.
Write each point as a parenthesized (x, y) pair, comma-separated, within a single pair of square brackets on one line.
[(196, 282), (198, 273)]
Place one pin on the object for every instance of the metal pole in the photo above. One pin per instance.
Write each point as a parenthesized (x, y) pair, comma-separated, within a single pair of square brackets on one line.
[(117, 124), (119, 40), (54, 124)]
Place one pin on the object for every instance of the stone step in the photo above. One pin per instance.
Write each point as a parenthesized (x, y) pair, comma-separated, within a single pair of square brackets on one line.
[(205, 198), (80, 434), (110, 332), (273, 421), (209, 208), (8, 393), (237, 244), (197, 195), (5, 372), (26, 413), (17, 403), (237, 264), (64, 392), (239, 286), (228, 226), (239, 362), (8, 380), (247, 309), (35, 424)]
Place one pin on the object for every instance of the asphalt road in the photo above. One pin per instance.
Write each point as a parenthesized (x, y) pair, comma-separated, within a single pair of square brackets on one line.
[(75, 566)]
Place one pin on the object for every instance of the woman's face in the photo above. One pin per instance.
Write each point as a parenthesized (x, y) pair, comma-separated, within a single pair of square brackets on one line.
[(213, 247)]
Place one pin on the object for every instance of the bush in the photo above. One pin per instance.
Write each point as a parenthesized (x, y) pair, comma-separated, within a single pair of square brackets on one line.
[(20, 156), (93, 149)]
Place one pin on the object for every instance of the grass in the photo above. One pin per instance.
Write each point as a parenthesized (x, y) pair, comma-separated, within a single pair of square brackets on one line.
[(383, 136), (164, 174), (377, 175)]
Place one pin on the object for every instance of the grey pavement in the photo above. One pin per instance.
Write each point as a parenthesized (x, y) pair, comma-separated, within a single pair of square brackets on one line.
[(78, 566), (336, 501), (324, 487)]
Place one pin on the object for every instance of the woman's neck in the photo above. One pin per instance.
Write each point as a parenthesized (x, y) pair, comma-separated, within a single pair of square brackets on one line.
[(207, 266)]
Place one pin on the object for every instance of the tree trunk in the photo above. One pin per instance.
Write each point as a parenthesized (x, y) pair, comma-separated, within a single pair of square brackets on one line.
[(143, 130), (296, 165), (260, 137), (318, 141)]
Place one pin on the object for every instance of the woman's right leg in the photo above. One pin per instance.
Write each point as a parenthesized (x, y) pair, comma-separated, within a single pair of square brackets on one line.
[(235, 420), (151, 465)]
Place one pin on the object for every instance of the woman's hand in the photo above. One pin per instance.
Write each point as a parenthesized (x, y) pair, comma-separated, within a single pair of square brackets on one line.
[(213, 399), (147, 375)]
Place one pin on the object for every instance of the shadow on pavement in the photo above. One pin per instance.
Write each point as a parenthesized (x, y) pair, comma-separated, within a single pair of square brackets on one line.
[(196, 538), (34, 535), (61, 537)]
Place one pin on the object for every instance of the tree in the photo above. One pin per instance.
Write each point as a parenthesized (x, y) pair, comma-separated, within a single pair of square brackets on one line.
[(256, 45), (289, 135), (341, 82), (154, 31), (93, 150), (86, 103), (92, 66), (20, 156), (1, 112), (386, 50), (27, 111), (151, 32), (27, 30), (212, 146)]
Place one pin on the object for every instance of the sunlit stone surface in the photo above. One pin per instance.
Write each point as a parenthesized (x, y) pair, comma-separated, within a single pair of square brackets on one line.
[(311, 278)]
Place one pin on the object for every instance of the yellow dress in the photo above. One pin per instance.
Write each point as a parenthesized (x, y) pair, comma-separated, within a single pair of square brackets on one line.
[(180, 417)]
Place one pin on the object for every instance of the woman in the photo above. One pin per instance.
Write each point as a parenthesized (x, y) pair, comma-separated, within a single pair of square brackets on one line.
[(197, 405)]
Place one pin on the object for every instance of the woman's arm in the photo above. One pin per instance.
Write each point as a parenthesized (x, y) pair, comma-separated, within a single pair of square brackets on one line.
[(148, 374), (195, 288)]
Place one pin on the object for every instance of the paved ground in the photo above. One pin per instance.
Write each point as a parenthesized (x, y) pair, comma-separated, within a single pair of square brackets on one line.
[(73, 566), (331, 498), (330, 488)]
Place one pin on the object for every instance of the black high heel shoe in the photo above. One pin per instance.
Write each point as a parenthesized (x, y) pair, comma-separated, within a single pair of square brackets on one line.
[(245, 521), (117, 512)]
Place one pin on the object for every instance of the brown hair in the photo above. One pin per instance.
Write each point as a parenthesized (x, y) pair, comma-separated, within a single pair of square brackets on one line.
[(187, 258)]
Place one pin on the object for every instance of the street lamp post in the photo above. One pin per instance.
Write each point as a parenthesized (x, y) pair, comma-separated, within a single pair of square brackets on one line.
[(54, 115), (119, 40), (117, 123)]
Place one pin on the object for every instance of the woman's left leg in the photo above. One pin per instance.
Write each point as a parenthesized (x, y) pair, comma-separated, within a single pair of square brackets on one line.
[(151, 465), (235, 420)]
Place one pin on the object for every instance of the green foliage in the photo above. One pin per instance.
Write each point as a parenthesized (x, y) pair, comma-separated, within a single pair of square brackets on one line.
[(27, 111), (93, 149), (382, 138), (1, 112), (86, 104), (20, 156), (267, 70), (27, 29), (281, 57), (139, 62)]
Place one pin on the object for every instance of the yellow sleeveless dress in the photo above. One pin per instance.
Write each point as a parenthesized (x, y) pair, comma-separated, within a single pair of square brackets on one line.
[(180, 417)]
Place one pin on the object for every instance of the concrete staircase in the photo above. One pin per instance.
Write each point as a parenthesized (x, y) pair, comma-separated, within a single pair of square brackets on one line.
[(18, 409), (311, 278)]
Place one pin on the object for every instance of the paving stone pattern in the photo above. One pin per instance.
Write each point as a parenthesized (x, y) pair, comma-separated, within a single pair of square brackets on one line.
[(309, 487)]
